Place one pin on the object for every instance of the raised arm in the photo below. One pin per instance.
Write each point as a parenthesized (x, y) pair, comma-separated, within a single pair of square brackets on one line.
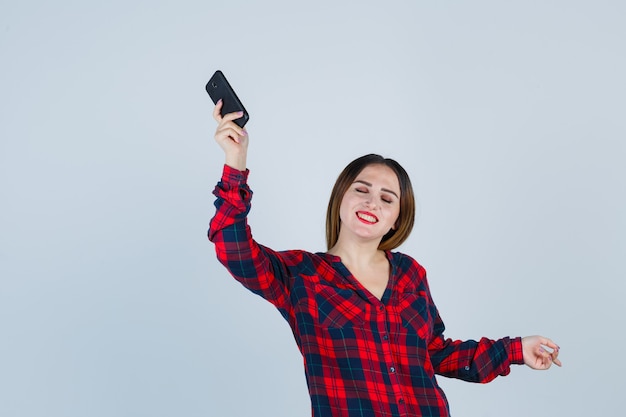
[(258, 268)]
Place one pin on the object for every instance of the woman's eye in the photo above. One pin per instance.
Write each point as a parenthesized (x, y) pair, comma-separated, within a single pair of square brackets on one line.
[(361, 190)]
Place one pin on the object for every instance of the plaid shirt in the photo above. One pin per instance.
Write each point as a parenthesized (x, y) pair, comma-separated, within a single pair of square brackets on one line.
[(363, 356)]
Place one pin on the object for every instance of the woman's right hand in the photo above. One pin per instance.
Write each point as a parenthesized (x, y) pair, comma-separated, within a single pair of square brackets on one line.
[(231, 138)]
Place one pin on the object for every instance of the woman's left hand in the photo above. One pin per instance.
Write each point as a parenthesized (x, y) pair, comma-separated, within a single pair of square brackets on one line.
[(540, 352)]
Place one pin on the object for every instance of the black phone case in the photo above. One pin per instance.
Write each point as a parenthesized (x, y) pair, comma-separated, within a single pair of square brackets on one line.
[(219, 88)]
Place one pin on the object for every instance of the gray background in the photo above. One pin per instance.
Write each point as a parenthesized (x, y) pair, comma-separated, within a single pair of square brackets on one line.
[(509, 116)]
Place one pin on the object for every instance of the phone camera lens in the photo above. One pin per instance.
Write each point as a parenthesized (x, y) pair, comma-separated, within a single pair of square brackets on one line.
[(213, 84)]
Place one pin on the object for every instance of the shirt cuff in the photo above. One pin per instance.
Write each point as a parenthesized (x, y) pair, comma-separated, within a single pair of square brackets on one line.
[(516, 352), (233, 176)]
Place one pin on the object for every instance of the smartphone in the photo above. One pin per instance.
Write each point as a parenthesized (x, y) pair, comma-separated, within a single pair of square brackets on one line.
[(219, 88)]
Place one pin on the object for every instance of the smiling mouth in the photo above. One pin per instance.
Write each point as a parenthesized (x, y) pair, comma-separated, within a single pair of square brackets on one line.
[(366, 217)]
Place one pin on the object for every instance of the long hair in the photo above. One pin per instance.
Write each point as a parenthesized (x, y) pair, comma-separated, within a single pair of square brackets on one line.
[(406, 218)]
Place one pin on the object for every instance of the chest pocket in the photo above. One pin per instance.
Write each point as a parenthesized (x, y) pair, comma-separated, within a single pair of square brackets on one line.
[(415, 313), (340, 307)]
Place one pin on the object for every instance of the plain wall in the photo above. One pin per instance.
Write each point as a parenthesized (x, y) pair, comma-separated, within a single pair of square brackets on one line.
[(509, 117)]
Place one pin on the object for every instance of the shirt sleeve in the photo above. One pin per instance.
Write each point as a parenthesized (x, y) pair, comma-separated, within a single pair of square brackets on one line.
[(474, 361), (256, 267)]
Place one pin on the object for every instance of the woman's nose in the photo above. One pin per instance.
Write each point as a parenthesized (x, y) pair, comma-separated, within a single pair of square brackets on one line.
[(370, 202)]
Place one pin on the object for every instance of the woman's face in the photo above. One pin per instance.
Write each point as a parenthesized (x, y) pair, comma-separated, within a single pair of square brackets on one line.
[(371, 205)]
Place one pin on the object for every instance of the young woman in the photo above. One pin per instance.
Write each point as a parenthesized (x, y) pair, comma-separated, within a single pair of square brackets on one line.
[(362, 315)]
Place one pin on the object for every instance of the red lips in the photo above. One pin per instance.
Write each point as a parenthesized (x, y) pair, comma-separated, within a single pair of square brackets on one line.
[(366, 217)]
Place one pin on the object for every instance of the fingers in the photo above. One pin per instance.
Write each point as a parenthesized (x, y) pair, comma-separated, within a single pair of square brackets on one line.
[(549, 343), (230, 131), (540, 352), (544, 358), (554, 354), (217, 111), (226, 127), (548, 357)]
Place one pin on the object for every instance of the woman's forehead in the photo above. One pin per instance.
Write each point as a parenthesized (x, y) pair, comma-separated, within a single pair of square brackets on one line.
[(380, 176)]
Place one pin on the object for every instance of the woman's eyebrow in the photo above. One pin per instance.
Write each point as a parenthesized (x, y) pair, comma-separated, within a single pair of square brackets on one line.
[(382, 189)]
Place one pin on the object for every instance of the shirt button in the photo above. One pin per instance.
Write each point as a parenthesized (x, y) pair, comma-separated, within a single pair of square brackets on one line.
[(401, 400), (393, 370), (386, 337), (467, 368), (381, 307)]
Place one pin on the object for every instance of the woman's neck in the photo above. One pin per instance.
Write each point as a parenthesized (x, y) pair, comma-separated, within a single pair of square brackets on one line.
[(367, 264), (355, 253)]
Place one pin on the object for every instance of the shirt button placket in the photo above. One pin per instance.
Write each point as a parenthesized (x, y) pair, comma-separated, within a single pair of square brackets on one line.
[(382, 321)]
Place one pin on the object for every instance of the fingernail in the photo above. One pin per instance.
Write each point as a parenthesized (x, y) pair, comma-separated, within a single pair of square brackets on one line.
[(245, 132), (240, 113)]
